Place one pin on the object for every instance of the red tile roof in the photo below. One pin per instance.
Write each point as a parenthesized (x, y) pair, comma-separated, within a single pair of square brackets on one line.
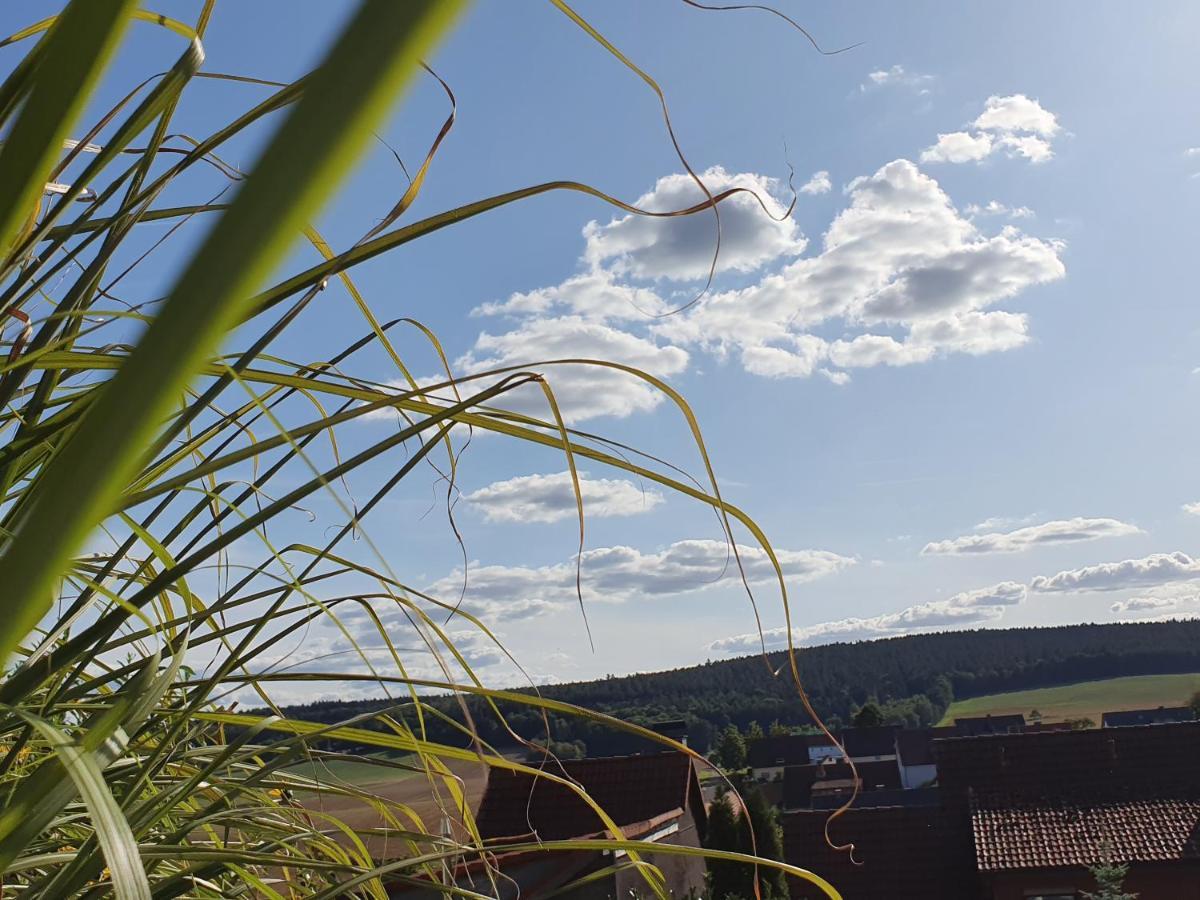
[(1089, 766), (630, 789), (901, 851), (1061, 834)]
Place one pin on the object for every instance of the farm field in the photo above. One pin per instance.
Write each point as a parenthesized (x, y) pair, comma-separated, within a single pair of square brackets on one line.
[(1088, 698)]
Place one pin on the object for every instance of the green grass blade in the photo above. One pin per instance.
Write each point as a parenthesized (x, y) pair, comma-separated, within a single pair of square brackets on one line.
[(78, 47), (315, 147)]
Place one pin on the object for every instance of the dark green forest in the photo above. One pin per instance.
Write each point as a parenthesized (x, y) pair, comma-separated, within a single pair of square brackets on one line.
[(913, 678)]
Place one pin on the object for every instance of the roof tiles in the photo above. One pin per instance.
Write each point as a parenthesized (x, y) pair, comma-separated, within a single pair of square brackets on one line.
[(630, 789), (1063, 834)]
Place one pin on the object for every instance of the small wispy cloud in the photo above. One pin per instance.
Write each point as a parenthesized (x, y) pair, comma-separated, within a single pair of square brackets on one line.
[(897, 76), (818, 184)]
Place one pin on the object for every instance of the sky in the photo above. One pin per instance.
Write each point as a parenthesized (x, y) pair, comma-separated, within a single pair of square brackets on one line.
[(955, 385)]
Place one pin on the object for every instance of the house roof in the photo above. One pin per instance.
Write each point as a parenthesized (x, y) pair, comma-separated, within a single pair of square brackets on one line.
[(1160, 716), (1068, 834), (914, 747), (898, 852), (799, 781), (973, 725), (630, 789), (782, 750), (1090, 766), (879, 741)]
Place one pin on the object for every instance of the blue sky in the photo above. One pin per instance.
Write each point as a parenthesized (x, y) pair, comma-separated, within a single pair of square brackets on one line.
[(956, 386)]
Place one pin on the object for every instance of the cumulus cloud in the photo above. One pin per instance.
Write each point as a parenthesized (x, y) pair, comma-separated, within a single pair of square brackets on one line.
[(897, 76), (996, 208), (902, 277), (551, 498), (991, 523), (1137, 604), (899, 261), (818, 184), (1192, 509), (593, 295), (1017, 113), (958, 147), (1156, 569), (1060, 531), (1017, 124), (966, 608), (619, 573), (582, 391), (682, 248)]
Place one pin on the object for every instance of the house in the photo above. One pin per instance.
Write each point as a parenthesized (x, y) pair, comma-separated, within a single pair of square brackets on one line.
[(1161, 716), (1018, 816), (768, 756), (803, 784), (1041, 807), (870, 744), (899, 852), (971, 726), (651, 797), (914, 756)]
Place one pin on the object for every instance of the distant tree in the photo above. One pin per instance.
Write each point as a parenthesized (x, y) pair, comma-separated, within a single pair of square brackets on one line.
[(754, 731), (1081, 723), (1194, 704), (768, 842), (731, 751), (941, 692), (869, 715), (723, 834), (1035, 715), (1110, 879), (778, 729), (730, 830)]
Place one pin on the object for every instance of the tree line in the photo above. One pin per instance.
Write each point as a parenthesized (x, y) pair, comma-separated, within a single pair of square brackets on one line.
[(911, 679)]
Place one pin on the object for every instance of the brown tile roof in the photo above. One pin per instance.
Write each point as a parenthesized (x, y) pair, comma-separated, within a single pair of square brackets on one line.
[(915, 746), (1093, 765), (800, 781), (631, 789), (902, 851), (975, 725), (877, 741), (1061, 834), (1161, 716)]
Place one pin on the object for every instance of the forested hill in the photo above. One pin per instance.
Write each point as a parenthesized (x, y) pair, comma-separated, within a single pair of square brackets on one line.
[(913, 677)]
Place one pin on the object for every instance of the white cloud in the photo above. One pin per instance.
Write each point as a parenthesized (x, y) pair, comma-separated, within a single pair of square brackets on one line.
[(1192, 509), (682, 248), (897, 76), (1017, 113), (551, 498), (958, 147), (593, 295), (1192, 151), (1033, 148), (900, 257), (583, 391), (1156, 569), (818, 184), (1137, 604), (966, 608), (996, 208), (1060, 531), (1017, 124), (617, 574)]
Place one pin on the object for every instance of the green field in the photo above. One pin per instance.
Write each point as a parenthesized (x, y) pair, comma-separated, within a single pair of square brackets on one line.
[(351, 771), (1088, 698)]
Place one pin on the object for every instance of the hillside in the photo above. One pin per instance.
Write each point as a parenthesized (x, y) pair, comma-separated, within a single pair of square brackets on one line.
[(915, 677), (1089, 699)]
